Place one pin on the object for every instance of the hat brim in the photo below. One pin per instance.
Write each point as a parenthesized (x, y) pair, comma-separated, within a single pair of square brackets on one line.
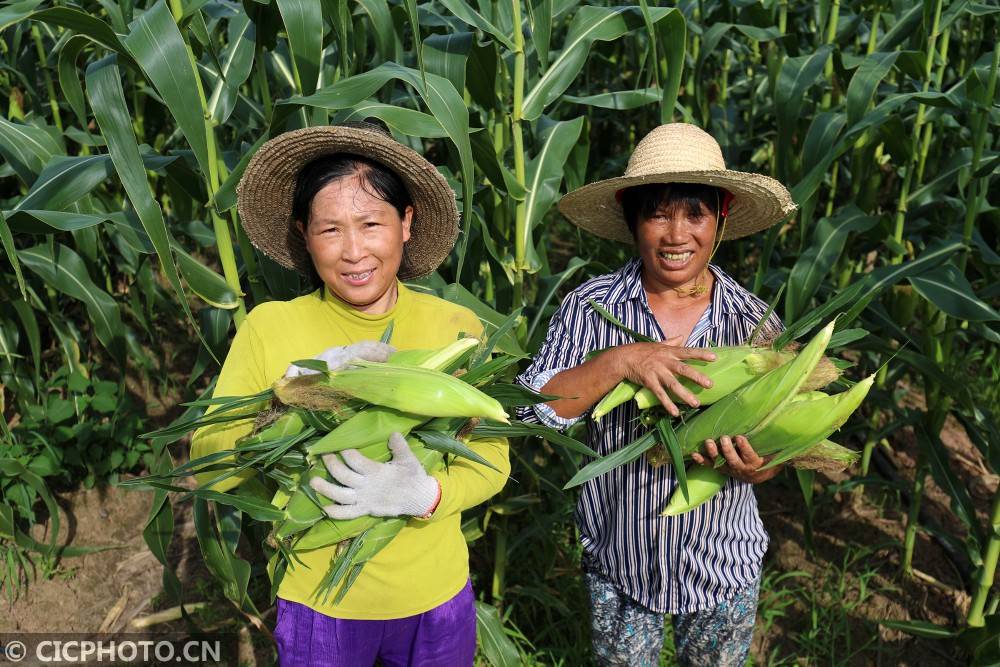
[(266, 191), (758, 202)]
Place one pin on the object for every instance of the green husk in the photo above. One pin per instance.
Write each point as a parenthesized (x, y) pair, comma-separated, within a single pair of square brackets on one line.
[(751, 407)]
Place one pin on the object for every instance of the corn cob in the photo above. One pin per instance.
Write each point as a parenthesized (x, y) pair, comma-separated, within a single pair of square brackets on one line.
[(407, 389), (751, 407), (807, 420), (622, 392), (703, 483), (438, 359), (370, 426)]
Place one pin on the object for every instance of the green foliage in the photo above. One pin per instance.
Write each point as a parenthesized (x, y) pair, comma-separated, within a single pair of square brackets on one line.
[(128, 125)]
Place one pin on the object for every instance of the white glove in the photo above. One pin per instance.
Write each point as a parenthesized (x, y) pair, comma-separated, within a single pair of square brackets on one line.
[(338, 357), (397, 488)]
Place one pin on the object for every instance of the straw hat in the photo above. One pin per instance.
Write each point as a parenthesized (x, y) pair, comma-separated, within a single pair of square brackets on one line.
[(679, 153), (268, 187)]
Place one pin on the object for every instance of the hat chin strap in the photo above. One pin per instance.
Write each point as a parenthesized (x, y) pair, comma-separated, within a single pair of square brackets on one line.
[(721, 216)]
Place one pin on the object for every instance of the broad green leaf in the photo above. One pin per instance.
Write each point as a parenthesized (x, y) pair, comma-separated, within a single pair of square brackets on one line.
[(796, 76), (673, 37), (225, 197), (498, 174), (465, 12), (69, 76), (619, 457), (541, 29), (303, 21), (934, 255), (15, 12), (386, 40), (924, 629), (621, 100), (108, 101), (27, 148), (64, 271), (157, 45), (865, 82), (905, 26), (233, 572), (50, 222), (818, 259), (29, 325), (236, 66), (446, 56), (405, 121), (590, 24), (157, 534), (205, 282), (66, 180), (544, 174), (823, 132), (496, 646), (948, 289), (7, 240), (85, 24), (15, 469)]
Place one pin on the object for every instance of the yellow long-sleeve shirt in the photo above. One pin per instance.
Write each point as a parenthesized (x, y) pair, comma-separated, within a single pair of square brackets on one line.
[(428, 562)]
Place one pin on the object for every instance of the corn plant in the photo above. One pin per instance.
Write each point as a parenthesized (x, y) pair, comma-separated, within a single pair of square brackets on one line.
[(128, 125)]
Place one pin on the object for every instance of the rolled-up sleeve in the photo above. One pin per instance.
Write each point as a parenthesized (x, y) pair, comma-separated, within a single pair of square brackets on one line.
[(566, 344)]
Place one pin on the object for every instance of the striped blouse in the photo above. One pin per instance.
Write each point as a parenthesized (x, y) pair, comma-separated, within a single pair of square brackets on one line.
[(668, 564)]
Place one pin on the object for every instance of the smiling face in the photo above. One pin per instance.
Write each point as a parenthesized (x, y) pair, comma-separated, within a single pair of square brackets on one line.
[(674, 234), (356, 242)]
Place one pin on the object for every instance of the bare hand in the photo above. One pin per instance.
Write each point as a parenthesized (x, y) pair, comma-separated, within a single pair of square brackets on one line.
[(658, 367), (742, 462)]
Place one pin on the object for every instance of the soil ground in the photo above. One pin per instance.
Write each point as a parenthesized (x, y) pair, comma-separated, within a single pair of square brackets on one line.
[(825, 602)]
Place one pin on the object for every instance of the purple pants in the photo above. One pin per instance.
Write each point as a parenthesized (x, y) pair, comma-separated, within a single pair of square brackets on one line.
[(445, 636)]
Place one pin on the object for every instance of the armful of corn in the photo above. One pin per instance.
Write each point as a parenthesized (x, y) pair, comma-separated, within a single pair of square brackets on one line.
[(433, 397), (770, 396)]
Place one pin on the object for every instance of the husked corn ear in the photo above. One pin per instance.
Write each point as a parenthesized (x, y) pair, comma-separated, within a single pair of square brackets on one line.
[(621, 393), (703, 483), (370, 426), (437, 359), (415, 390), (733, 368), (752, 406), (808, 419)]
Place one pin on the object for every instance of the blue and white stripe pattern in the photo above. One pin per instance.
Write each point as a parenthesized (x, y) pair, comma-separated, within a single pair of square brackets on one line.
[(668, 564)]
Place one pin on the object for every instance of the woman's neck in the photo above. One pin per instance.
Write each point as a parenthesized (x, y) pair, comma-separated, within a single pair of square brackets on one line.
[(379, 306), (694, 292)]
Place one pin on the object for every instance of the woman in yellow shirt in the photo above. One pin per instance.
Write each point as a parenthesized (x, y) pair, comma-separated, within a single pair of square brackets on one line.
[(359, 211)]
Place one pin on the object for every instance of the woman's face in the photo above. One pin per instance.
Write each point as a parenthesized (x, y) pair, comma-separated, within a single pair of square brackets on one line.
[(356, 243), (674, 244)]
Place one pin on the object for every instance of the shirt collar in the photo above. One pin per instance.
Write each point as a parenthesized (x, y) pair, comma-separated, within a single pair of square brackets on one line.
[(627, 286)]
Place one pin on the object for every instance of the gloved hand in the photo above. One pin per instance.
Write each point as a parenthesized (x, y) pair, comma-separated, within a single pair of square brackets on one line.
[(338, 357), (400, 487)]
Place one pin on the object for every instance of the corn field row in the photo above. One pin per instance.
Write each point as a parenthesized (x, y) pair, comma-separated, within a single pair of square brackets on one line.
[(127, 126)]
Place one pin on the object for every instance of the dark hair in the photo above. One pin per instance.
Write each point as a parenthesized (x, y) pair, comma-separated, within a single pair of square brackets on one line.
[(642, 201), (376, 179)]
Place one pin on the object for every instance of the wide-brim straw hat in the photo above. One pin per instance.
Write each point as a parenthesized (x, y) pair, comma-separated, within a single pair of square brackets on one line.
[(267, 188), (679, 153)]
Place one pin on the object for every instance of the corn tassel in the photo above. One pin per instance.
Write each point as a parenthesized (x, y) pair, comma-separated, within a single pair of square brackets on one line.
[(407, 389), (751, 407)]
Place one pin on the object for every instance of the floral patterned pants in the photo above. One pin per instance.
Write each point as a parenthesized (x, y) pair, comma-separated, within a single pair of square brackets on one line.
[(626, 633)]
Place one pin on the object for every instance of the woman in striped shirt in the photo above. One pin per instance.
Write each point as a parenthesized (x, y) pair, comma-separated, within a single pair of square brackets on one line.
[(676, 202)]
